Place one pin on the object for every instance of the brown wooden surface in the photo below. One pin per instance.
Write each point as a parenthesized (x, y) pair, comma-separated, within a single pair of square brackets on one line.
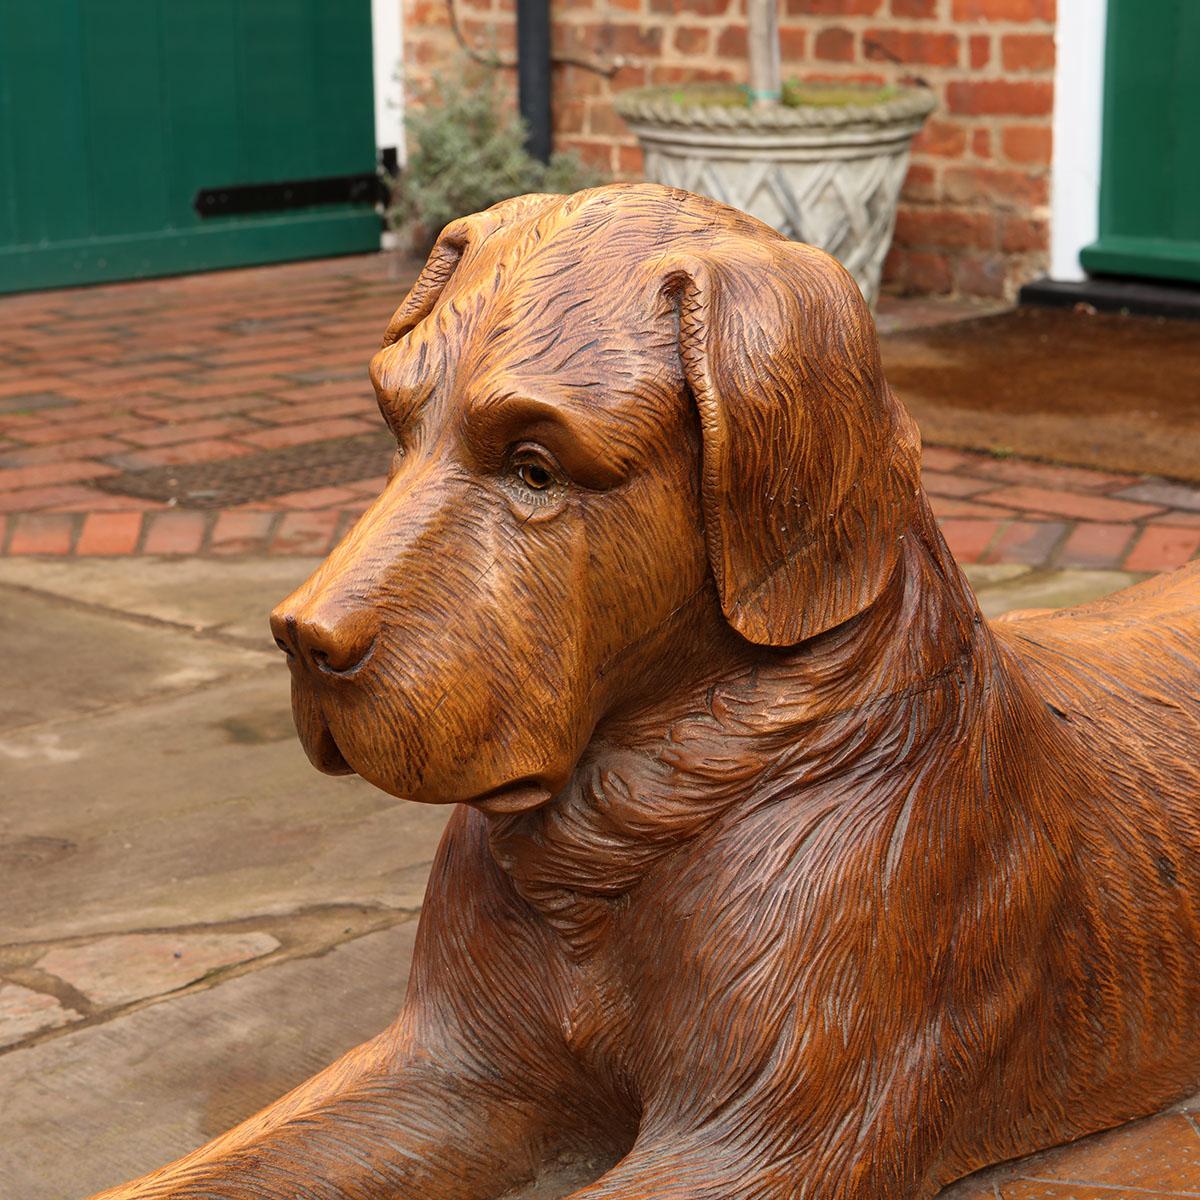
[(775, 870)]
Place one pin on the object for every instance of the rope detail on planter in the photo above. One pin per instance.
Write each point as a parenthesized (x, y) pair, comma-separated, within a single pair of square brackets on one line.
[(673, 106)]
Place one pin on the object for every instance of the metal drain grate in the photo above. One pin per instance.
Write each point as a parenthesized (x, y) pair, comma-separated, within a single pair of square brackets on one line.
[(231, 481)]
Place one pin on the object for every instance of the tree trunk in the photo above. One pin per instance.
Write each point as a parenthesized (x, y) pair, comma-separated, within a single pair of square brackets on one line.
[(762, 21)]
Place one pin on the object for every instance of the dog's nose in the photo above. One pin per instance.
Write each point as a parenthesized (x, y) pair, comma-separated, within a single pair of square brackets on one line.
[(328, 638)]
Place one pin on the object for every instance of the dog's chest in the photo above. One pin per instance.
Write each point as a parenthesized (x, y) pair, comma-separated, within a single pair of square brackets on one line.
[(597, 1022)]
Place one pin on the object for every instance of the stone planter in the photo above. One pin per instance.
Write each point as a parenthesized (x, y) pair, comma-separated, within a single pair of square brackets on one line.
[(828, 175)]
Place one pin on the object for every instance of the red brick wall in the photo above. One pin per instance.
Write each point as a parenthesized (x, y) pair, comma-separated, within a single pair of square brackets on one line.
[(973, 217)]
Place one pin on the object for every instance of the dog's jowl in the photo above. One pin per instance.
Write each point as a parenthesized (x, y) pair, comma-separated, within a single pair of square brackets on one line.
[(775, 871)]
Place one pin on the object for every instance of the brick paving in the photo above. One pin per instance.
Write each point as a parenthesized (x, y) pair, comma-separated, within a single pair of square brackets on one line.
[(107, 380), (95, 382), (99, 381)]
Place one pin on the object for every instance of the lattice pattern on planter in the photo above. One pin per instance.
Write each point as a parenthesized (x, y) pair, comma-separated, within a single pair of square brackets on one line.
[(845, 206)]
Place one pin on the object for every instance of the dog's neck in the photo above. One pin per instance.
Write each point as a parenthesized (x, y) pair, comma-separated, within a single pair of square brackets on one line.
[(773, 725)]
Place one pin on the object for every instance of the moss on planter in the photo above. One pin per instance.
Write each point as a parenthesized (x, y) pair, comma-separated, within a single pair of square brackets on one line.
[(795, 95), (819, 95)]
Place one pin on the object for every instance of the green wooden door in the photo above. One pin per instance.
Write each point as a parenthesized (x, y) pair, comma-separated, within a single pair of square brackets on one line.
[(114, 114), (1150, 174)]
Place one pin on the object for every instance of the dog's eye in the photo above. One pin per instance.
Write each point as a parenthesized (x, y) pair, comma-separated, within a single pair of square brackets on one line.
[(534, 476)]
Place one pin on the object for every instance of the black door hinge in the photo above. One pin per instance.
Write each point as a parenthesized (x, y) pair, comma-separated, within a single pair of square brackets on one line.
[(239, 199)]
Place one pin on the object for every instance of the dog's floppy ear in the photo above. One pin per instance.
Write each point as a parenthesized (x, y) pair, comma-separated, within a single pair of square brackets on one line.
[(810, 466), (452, 243)]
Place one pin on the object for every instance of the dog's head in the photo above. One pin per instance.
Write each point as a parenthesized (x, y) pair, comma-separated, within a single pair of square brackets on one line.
[(625, 420)]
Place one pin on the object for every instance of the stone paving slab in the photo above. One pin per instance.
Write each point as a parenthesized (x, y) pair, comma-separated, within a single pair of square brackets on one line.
[(1030, 588), (115, 971), (24, 1011), (63, 660), (230, 597), (96, 1106), (263, 834), (197, 808), (148, 804)]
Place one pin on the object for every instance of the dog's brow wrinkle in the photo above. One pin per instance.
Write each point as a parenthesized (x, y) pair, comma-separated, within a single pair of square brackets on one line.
[(580, 349), (540, 311), (575, 304), (530, 351), (493, 399)]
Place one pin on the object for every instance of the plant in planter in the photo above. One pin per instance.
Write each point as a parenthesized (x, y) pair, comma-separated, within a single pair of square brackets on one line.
[(822, 163), (466, 153)]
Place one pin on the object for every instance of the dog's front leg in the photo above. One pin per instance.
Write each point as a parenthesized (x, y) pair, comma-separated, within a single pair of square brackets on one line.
[(665, 1167), (387, 1120), (459, 1100), (745, 1171)]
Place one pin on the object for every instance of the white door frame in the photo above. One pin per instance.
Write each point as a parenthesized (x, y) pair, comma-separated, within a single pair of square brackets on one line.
[(387, 49), (1078, 121)]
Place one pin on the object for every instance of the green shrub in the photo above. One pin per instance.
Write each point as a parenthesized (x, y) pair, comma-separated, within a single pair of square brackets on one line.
[(467, 152)]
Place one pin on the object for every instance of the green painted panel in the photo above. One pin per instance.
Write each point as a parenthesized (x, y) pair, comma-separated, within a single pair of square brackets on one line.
[(275, 36), (115, 113), (123, 116), (343, 36), (1150, 175), (200, 84), (8, 193), (210, 246), (1161, 258), (41, 62), (298, 117)]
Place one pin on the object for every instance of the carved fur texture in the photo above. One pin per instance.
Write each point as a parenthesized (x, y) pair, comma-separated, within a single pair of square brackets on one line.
[(776, 872)]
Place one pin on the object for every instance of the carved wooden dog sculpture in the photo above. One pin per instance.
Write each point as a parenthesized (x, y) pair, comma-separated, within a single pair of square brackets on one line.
[(776, 871)]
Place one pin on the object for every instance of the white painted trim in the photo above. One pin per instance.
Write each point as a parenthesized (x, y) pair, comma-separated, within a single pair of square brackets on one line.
[(1078, 120), (387, 48)]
